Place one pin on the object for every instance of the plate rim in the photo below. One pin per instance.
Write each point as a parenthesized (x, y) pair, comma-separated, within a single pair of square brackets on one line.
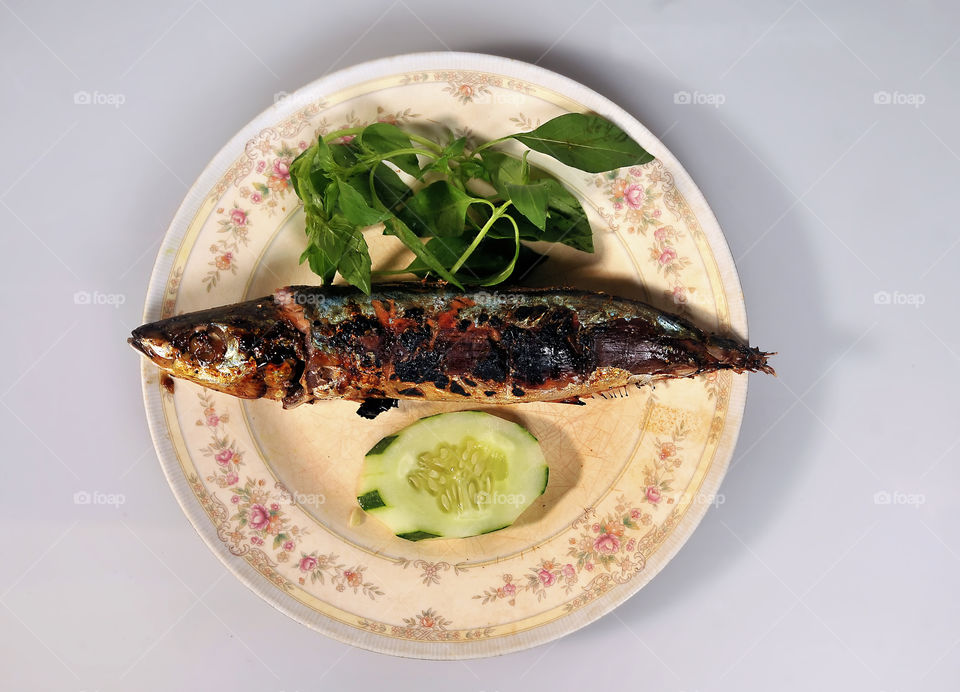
[(170, 464)]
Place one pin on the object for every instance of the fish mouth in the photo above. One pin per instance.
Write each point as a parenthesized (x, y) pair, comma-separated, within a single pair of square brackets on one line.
[(138, 345), (152, 343)]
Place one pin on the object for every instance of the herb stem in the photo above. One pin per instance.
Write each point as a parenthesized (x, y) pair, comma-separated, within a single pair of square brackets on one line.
[(400, 152), (345, 132), (491, 143), (497, 213), (426, 142)]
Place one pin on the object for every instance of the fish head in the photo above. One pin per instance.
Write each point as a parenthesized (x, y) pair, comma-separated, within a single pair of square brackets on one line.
[(245, 350)]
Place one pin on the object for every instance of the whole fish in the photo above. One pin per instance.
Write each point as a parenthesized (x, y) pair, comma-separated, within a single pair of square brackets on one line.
[(434, 342)]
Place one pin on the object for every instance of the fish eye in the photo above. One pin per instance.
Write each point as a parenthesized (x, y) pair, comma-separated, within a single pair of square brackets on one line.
[(208, 345)]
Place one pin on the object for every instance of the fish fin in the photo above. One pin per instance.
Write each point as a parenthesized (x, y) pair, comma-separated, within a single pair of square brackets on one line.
[(371, 408), (575, 400)]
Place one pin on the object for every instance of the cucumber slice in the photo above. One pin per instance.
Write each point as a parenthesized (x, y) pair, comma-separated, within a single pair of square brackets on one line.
[(452, 475)]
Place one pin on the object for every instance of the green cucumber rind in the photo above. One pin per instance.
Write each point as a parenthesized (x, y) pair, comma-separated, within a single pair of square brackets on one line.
[(371, 500), (382, 445), (546, 479), (417, 535), (499, 528)]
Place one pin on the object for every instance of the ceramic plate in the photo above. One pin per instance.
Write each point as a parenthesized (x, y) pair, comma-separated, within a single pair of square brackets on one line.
[(272, 492)]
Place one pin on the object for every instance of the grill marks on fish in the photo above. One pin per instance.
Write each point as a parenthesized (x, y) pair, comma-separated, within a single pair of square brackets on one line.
[(450, 349), (432, 342)]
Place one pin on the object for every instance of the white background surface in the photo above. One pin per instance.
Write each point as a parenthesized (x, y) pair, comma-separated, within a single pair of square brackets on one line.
[(802, 579)]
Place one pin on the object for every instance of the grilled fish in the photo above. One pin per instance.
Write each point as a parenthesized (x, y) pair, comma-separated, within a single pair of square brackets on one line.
[(434, 342)]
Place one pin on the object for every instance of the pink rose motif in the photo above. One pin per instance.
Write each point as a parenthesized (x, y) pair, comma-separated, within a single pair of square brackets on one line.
[(288, 546), (213, 420), (235, 499), (679, 295), (606, 543), (656, 213), (633, 195), (568, 571), (634, 513), (258, 517), (308, 564), (618, 206), (261, 165), (239, 217), (667, 256), (256, 197), (256, 540), (588, 566), (274, 506), (596, 528), (224, 456), (631, 544), (231, 479), (282, 168), (546, 577), (509, 589), (302, 145), (653, 494), (660, 233)]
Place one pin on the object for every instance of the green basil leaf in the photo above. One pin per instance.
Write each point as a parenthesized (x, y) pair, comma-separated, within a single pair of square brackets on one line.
[(501, 276), (502, 169), (442, 163), (322, 158), (354, 264), (324, 249), (398, 228), (439, 209), (472, 168), (585, 141), (566, 222), (331, 195), (355, 207), (531, 201), (382, 138), (388, 186), (345, 154)]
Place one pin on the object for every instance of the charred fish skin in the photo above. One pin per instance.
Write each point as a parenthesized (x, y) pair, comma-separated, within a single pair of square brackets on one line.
[(433, 342), (437, 343)]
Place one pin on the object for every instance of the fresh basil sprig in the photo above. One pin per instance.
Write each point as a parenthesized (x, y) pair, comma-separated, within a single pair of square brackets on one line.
[(346, 185)]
